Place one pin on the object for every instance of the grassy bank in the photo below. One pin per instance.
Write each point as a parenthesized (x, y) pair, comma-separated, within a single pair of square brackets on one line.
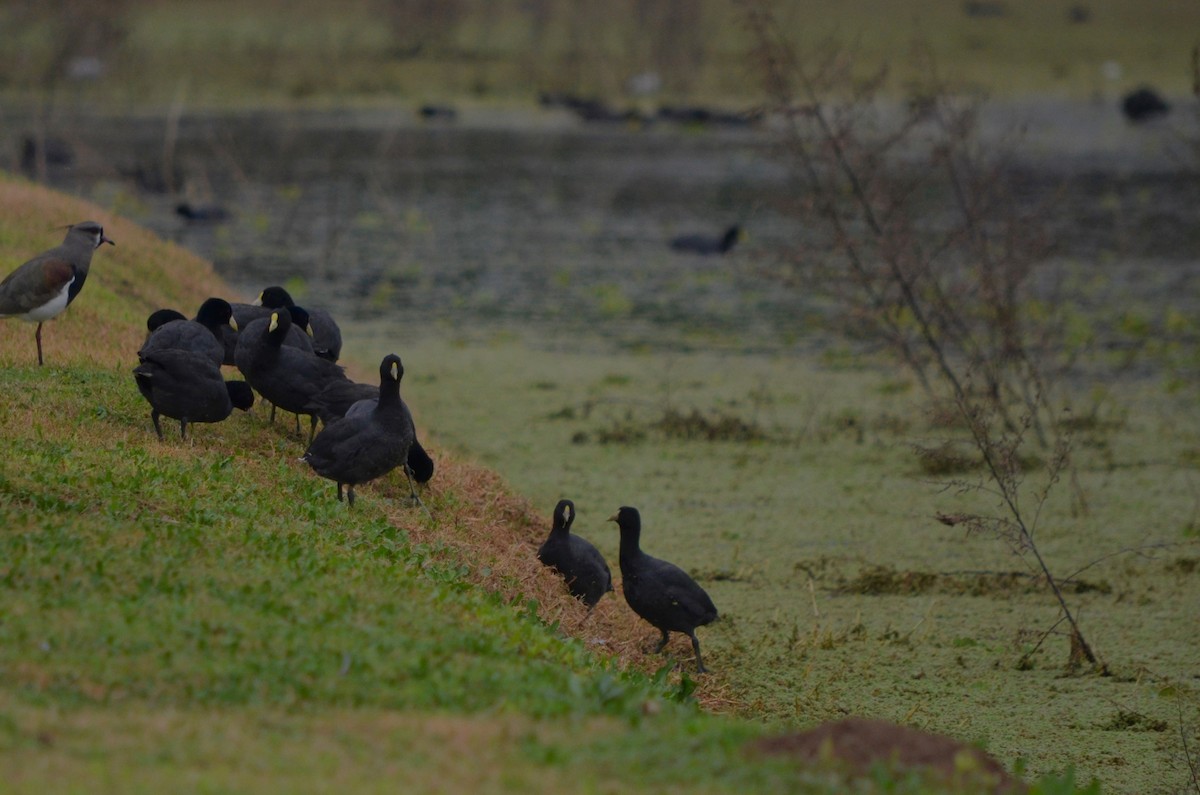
[(206, 615)]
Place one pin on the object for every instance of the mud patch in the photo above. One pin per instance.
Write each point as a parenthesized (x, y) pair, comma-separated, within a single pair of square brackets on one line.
[(859, 746)]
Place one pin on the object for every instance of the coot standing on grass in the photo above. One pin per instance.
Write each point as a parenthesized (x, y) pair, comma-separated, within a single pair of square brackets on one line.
[(286, 376), (43, 287), (658, 591), (369, 444), (580, 564), (188, 387), (350, 398)]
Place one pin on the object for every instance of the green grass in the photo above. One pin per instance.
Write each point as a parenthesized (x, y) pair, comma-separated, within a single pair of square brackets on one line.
[(205, 615), (229, 576)]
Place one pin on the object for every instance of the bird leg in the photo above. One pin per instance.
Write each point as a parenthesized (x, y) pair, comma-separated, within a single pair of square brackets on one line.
[(38, 336), (272, 413), (312, 432), (157, 427), (350, 494), (412, 492), (662, 644), (339, 491), (183, 430), (700, 669)]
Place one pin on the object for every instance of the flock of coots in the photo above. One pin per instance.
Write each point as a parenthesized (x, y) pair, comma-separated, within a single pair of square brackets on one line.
[(289, 356)]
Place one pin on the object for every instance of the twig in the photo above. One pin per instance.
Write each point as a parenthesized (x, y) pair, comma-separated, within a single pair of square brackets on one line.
[(1187, 754)]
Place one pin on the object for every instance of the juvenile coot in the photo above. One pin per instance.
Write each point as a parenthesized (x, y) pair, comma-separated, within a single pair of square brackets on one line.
[(362, 447), (326, 334), (43, 287), (705, 245), (658, 591), (288, 377), (188, 387), (581, 564)]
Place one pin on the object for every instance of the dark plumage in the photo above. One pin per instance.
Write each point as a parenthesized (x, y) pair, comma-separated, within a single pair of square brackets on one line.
[(288, 377), (202, 335), (160, 317), (210, 213), (1143, 105), (326, 334), (188, 387), (658, 591), (581, 564), (365, 446), (245, 314), (43, 287), (332, 402), (705, 245), (349, 398), (420, 465)]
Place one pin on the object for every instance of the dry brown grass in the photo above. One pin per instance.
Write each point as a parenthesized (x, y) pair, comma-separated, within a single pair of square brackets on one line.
[(478, 520)]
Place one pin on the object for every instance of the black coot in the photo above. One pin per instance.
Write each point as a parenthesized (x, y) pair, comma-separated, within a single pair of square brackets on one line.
[(658, 591), (581, 564), (288, 377), (365, 446), (188, 387)]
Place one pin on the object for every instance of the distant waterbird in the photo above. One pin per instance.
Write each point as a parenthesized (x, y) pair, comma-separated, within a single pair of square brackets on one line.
[(45, 285), (188, 387), (706, 245)]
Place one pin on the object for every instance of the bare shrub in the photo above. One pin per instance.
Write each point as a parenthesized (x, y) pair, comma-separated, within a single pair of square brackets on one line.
[(914, 230)]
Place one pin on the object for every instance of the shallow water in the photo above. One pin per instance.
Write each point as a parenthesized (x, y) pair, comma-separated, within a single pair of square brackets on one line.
[(534, 221)]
